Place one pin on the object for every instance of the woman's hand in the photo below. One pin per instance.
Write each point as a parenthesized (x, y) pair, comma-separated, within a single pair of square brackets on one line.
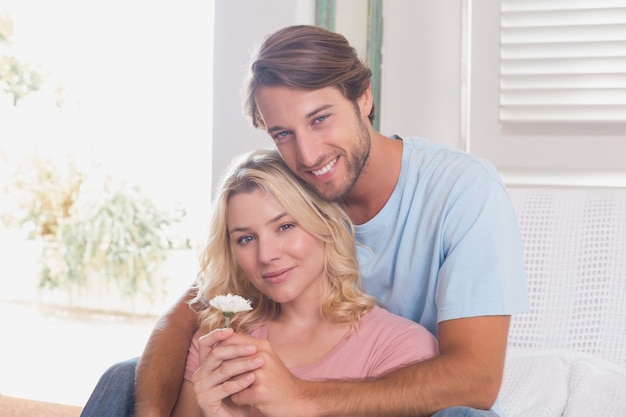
[(248, 372), (224, 370)]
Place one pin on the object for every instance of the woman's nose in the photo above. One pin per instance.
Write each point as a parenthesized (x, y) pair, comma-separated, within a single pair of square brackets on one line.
[(269, 250)]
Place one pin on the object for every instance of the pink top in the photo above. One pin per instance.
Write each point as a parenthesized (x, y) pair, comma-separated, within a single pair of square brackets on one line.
[(382, 342)]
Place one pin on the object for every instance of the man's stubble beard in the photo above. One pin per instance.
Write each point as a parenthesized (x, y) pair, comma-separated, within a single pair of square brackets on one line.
[(356, 162)]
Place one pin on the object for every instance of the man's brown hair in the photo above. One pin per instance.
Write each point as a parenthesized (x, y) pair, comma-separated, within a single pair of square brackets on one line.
[(306, 57)]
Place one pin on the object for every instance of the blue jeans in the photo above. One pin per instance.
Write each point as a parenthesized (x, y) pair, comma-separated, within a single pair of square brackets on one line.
[(464, 412), (114, 394)]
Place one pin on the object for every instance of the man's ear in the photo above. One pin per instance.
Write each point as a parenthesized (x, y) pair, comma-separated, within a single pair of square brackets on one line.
[(366, 101)]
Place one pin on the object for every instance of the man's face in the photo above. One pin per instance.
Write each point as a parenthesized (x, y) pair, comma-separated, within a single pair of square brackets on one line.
[(322, 136)]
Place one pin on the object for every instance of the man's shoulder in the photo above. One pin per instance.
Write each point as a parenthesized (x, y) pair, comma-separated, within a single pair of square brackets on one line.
[(414, 145), (445, 164)]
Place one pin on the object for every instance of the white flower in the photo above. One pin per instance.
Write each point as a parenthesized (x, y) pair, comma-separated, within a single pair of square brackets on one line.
[(230, 304)]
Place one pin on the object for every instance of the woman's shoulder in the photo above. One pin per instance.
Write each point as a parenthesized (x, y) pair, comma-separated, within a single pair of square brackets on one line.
[(394, 340), (380, 318)]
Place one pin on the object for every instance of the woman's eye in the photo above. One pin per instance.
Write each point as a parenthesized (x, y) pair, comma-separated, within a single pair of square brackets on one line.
[(244, 239), (286, 226)]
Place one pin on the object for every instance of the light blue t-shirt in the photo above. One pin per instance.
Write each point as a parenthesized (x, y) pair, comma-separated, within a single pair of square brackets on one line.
[(446, 245)]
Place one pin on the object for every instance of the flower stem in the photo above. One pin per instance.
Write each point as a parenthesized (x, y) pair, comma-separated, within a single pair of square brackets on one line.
[(228, 315)]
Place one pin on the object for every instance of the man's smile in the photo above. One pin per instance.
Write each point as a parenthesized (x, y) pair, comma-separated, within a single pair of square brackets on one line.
[(325, 169)]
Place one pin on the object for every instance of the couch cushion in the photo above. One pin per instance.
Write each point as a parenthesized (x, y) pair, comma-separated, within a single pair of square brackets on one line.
[(592, 380), (575, 256), (555, 383), (534, 385)]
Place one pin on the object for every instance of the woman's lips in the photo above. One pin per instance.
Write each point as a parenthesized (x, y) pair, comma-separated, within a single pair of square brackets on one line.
[(276, 276)]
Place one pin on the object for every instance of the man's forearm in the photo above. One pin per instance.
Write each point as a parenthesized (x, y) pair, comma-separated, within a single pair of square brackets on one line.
[(384, 396), (161, 367), (467, 372), (416, 390)]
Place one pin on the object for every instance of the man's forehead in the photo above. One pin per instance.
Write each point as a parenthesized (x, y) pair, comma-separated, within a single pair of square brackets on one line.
[(304, 103)]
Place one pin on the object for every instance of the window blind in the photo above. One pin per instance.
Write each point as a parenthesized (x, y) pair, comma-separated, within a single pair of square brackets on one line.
[(563, 61)]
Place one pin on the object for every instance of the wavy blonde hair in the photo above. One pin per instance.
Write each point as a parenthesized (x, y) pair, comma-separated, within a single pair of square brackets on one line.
[(220, 274)]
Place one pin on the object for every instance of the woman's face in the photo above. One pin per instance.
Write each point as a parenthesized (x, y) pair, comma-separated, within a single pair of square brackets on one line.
[(281, 259)]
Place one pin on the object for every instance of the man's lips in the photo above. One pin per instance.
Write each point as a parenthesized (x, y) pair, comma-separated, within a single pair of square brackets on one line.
[(325, 168)]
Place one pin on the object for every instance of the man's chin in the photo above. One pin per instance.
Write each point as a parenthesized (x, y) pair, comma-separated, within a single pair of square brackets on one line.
[(328, 194), (325, 191)]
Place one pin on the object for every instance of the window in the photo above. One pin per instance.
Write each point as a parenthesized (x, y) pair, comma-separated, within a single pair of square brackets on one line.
[(124, 104), (548, 85), (362, 24), (124, 99)]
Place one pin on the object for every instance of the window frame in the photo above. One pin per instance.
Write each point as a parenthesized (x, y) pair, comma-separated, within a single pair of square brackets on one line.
[(558, 152)]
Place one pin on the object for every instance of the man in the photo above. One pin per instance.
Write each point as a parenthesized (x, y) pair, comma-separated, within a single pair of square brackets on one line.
[(439, 245)]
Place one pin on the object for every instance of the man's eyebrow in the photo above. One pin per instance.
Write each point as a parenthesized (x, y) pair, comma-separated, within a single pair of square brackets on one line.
[(319, 109), (308, 116), (275, 129)]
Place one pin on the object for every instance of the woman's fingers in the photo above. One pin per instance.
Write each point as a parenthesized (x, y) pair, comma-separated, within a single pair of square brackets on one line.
[(207, 391), (227, 364), (213, 388), (211, 339)]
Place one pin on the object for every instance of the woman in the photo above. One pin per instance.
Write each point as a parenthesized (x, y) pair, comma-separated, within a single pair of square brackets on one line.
[(293, 256)]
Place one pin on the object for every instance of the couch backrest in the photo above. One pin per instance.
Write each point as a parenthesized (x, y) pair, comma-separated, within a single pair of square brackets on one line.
[(575, 256)]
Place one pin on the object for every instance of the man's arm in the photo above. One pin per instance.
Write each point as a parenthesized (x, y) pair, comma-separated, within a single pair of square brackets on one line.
[(468, 371), (161, 366)]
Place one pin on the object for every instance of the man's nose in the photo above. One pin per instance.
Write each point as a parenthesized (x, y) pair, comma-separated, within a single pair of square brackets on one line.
[(308, 150)]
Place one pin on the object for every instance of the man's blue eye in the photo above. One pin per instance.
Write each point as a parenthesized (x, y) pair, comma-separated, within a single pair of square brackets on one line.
[(282, 134)]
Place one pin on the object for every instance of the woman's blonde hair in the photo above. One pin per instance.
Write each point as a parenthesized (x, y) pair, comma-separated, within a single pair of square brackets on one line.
[(220, 274)]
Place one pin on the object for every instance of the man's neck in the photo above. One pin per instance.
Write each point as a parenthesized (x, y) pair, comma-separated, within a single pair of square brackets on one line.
[(377, 181)]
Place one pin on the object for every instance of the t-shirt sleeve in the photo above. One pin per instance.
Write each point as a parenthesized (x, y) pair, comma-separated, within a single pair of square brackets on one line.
[(396, 342), (483, 269)]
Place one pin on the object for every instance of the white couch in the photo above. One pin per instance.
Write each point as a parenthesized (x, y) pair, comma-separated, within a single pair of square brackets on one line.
[(567, 355)]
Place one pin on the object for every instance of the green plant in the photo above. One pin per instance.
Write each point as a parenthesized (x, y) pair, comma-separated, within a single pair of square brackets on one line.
[(118, 238), (95, 231), (41, 193), (17, 79)]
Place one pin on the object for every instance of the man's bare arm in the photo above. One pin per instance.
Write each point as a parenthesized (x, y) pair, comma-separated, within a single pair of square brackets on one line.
[(161, 366), (468, 371)]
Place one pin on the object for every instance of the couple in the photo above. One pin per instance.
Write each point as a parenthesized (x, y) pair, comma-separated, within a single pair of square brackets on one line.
[(438, 243), (293, 255)]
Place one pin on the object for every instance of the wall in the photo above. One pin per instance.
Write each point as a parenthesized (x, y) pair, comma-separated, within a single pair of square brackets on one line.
[(421, 76), (240, 25)]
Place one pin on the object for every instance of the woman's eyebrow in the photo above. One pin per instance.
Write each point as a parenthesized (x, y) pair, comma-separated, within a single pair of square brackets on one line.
[(270, 221)]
